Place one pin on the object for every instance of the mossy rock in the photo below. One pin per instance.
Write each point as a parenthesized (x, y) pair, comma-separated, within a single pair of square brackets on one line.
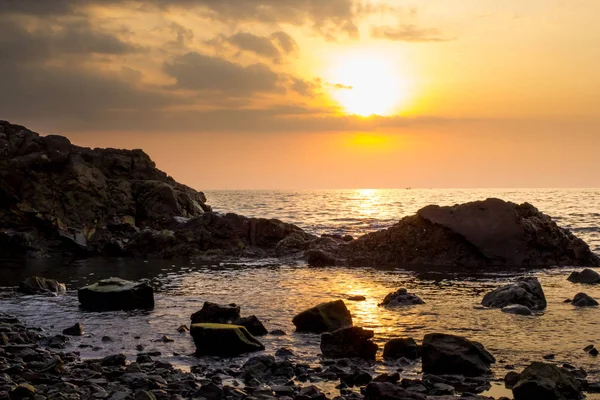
[(116, 294), (223, 340), (325, 317)]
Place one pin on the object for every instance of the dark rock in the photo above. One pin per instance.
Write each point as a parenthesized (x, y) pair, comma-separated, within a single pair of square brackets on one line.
[(23, 391), (450, 354), (517, 309), (511, 379), (116, 294), (277, 332), (389, 391), (114, 360), (37, 285), (549, 357), (183, 329), (284, 352), (223, 340), (401, 297), (321, 258), (349, 342), (546, 381), (211, 391), (401, 347), (525, 291), (325, 317), (583, 300), (75, 330), (252, 324), (357, 298), (586, 276), (482, 233), (216, 313), (107, 339), (356, 378), (391, 378), (310, 392)]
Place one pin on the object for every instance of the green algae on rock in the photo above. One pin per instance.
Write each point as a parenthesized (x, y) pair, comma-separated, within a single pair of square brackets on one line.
[(116, 294), (223, 340)]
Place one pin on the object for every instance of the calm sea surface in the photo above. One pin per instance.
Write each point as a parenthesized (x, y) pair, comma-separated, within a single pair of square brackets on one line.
[(275, 292)]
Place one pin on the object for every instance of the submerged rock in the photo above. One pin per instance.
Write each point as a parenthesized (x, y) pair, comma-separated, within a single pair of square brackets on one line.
[(401, 347), (216, 313), (492, 232), (586, 276), (252, 324), (583, 300), (75, 330), (516, 309), (349, 342), (546, 381), (116, 294), (525, 291), (37, 285), (223, 340), (325, 317), (401, 297), (454, 355)]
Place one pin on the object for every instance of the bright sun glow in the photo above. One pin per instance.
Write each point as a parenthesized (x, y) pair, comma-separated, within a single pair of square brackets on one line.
[(372, 85)]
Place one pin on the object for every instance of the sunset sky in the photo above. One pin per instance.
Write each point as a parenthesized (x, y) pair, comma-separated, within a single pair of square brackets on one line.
[(263, 94)]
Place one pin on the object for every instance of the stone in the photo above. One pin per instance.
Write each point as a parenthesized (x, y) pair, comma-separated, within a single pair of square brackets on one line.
[(278, 332), (516, 309), (583, 300), (357, 298), (588, 276), (75, 330), (116, 294), (223, 340), (183, 329), (510, 379), (114, 360), (401, 297), (325, 317), (252, 324), (401, 347), (39, 285), (22, 391), (525, 291), (349, 342), (477, 234), (216, 313), (358, 377), (450, 354), (546, 381), (389, 391)]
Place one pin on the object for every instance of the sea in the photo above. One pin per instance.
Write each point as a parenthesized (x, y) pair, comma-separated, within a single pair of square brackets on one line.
[(275, 291)]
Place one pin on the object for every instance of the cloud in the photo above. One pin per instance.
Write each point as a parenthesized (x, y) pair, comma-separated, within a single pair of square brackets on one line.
[(246, 41), (285, 41), (407, 33), (195, 71)]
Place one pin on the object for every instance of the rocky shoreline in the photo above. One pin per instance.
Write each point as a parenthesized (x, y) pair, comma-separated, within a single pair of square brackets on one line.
[(61, 200)]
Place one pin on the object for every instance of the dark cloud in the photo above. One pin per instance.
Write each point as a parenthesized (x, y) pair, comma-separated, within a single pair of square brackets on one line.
[(407, 33), (285, 41), (305, 87), (19, 44), (197, 71), (246, 41)]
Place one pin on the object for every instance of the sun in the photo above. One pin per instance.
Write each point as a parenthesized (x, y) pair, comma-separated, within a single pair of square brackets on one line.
[(368, 85)]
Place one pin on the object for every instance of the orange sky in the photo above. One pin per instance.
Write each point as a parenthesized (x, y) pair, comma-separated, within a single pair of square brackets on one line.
[(314, 94)]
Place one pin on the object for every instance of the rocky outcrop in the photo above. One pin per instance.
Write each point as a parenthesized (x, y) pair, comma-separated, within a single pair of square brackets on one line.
[(116, 294), (349, 342), (525, 291), (58, 199), (450, 354), (223, 340), (546, 381), (325, 317), (588, 276), (492, 232), (399, 298), (39, 285)]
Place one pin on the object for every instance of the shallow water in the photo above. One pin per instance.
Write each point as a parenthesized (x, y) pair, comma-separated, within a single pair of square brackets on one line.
[(275, 292)]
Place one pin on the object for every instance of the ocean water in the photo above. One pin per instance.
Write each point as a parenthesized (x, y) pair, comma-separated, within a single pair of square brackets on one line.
[(276, 291)]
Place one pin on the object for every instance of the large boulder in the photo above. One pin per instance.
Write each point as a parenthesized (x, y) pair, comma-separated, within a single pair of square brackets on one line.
[(349, 342), (584, 300), (216, 313), (116, 294), (525, 291), (401, 347), (325, 317), (492, 232), (37, 285), (223, 340), (586, 276), (449, 354), (546, 381), (401, 297)]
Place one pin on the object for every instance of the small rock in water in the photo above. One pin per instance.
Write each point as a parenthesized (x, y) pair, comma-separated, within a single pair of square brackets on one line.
[(166, 339), (517, 309), (139, 347), (548, 357), (401, 297), (401, 347), (75, 330), (325, 317), (357, 298), (525, 291), (546, 381), (284, 352), (107, 339), (583, 300), (277, 332), (588, 276), (588, 348), (183, 329), (349, 342), (510, 379)]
